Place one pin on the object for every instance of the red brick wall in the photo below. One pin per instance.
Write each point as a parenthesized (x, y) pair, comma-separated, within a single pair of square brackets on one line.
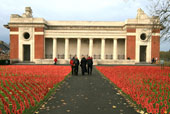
[(155, 47), (131, 30), (131, 47), (14, 47), (39, 46), (39, 29), (156, 31), (14, 29)]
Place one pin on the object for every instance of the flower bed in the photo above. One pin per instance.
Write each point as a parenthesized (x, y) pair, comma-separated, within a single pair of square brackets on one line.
[(23, 87), (148, 86)]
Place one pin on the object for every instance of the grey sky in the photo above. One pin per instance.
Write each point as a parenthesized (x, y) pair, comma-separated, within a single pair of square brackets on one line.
[(83, 10)]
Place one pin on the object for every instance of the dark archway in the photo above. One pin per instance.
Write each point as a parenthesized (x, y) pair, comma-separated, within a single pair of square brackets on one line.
[(143, 53), (26, 52)]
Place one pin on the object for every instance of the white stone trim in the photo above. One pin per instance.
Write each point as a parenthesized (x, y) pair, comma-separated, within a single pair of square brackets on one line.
[(85, 23), (20, 46), (86, 36), (33, 45), (139, 43), (131, 34), (15, 33), (23, 41), (155, 34), (38, 33), (118, 31)]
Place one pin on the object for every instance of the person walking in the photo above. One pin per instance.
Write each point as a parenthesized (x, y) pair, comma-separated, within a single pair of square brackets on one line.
[(72, 65), (83, 65), (76, 67), (89, 65)]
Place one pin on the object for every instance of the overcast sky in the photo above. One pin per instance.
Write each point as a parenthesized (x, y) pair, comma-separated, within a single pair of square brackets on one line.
[(78, 10)]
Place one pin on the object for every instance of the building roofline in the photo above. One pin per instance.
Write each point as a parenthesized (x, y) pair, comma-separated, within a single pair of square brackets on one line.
[(84, 23)]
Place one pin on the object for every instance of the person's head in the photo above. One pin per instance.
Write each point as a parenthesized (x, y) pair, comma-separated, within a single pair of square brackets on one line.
[(75, 57)]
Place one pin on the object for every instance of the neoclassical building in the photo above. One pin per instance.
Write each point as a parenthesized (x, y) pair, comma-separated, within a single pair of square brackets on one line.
[(40, 41)]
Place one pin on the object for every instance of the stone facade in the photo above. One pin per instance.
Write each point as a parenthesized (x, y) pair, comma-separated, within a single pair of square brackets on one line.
[(40, 41)]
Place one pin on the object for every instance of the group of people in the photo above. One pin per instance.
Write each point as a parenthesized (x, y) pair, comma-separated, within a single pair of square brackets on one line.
[(86, 65)]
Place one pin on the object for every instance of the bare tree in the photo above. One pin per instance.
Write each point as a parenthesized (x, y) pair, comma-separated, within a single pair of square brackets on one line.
[(161, 9)]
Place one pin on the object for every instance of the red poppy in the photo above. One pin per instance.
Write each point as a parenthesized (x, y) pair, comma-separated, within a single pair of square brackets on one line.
[(141, 81), (31, 83), (160, 98)]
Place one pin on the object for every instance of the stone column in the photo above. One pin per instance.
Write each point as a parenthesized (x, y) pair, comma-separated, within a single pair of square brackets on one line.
[(115, 49), (78, 48), (54, 47), (66, 48), (125, 49), (91, 47), (103, 49)]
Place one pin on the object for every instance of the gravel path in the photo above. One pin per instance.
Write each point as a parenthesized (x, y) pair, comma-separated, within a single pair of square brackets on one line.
[(86, 95)]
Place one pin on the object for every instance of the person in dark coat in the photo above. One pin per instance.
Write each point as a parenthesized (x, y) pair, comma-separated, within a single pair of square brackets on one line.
[(83, 65), (72, 65), (86, 64), (89, 65), (76, 67), (153, 60)]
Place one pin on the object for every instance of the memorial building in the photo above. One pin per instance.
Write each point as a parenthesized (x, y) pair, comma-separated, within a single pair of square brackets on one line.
[(39, 41)]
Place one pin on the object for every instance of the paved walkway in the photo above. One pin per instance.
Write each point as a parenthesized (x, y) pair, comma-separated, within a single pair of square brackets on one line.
[(86, 95)]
